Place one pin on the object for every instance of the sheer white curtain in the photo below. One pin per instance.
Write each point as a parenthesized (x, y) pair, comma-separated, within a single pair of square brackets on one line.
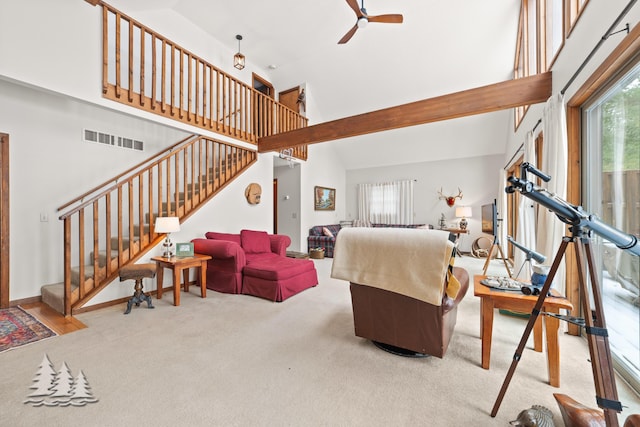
[(554, 163), (526, 230), (386, 202)]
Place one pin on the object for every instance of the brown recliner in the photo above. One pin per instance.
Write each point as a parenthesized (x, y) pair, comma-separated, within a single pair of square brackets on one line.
[(406, 323)]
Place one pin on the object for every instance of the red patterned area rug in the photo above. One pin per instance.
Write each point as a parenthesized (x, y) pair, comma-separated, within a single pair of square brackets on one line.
[(17, 328)]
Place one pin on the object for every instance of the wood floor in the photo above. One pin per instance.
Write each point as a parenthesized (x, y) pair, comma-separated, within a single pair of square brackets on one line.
[(54, 320)]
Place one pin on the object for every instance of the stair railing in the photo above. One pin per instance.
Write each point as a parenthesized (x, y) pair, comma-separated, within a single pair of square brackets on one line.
[(113, 224), (143, 69)]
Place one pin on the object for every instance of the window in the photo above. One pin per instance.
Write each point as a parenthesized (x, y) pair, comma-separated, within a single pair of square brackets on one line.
[(526, 61), (611, 121), (542, 29), (553, 31), (573, 10), (386, 202), (513, 200)]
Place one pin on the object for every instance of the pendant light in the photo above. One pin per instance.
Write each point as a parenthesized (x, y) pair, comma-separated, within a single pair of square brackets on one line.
[(238, 58)]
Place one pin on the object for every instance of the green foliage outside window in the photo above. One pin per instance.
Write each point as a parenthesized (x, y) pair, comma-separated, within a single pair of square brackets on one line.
[(622, 110)]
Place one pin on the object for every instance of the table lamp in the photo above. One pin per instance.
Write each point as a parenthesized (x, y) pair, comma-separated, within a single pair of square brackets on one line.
[(463, 212), (168, 225)]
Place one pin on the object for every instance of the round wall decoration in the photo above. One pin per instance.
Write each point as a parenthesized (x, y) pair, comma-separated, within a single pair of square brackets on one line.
[(253, 193)]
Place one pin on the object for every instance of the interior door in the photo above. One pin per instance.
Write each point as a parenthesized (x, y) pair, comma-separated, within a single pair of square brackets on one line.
[(289, 98)]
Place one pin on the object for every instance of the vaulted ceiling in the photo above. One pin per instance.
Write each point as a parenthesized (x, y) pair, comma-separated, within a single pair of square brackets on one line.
[(441, 47)]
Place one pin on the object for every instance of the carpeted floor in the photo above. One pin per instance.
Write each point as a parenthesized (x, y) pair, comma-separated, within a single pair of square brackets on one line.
[(235, 360), (18, 328)]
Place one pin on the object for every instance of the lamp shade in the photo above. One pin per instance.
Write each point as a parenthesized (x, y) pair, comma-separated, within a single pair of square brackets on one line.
[(167, 224), (463, 212)]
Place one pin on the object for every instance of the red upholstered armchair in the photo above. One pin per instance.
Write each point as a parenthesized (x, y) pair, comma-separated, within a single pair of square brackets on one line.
[(254, 263)]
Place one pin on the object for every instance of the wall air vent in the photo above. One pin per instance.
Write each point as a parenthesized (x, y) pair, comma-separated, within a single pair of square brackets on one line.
[(108, 139)]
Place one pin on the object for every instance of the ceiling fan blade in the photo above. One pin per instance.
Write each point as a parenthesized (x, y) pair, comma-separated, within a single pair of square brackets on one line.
[(349, 34), (387, 19), (353, 4)]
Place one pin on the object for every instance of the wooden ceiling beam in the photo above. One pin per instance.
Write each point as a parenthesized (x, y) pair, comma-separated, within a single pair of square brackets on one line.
[(485, 99)]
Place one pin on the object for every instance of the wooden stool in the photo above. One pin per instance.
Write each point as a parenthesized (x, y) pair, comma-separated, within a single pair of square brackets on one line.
[(137, 272)]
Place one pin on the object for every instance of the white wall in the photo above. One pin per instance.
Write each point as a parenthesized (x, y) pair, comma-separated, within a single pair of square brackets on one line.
[(229, 211), (475, 176), (323, 168), (50, 164)]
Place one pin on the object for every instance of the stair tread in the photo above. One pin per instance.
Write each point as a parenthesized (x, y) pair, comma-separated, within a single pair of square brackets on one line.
[(53, 295)]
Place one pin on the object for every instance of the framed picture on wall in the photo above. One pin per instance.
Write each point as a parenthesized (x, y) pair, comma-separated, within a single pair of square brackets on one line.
[(324, 198)]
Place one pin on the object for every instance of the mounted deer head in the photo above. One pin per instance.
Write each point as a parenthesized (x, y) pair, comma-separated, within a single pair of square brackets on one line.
[(451, 200)]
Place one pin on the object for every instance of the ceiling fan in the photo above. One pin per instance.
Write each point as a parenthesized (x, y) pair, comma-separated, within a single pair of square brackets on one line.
[(364, 19)]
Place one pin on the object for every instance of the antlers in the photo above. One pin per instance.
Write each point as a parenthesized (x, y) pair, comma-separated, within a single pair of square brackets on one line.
[(451, 200)]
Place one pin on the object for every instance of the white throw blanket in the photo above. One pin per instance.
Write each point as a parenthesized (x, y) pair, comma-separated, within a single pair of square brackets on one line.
[(411, 262)]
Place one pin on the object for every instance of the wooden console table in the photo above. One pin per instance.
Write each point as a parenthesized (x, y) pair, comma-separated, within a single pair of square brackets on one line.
[(181, 265), (491, 299)]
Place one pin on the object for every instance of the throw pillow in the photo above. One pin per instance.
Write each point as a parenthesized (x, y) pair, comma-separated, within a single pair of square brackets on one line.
[(327, 232), (255, 242), (453, 285), (223, 236)]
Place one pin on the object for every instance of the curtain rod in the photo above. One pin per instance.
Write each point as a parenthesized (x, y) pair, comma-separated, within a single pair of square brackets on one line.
[(602, 40), (521, 145)]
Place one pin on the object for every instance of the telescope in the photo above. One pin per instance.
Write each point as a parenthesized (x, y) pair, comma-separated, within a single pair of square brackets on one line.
[(530, 254), (568, 213), (581, 224)]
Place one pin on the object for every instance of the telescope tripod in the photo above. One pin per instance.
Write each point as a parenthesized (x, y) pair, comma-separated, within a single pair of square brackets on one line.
[(593, 322), (496, 244), (526, 262)]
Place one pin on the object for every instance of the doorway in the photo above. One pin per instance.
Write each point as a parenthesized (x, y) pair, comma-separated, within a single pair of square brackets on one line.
[(4, 220), (262, 110), (275, 205), (287, 205)]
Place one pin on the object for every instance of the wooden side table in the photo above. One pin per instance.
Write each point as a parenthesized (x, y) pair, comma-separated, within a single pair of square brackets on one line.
[(457, 232), (491, 299), (298, 255), (181, 265)]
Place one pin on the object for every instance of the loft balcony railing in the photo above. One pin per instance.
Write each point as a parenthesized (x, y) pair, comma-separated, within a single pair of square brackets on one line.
[(112, 224), (145, 70)]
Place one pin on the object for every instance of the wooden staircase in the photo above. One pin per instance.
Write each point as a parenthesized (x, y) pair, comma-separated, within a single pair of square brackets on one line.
[(111, 225)]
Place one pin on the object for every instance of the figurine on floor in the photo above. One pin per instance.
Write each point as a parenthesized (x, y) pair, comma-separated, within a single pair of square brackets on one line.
[(536, 416)]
